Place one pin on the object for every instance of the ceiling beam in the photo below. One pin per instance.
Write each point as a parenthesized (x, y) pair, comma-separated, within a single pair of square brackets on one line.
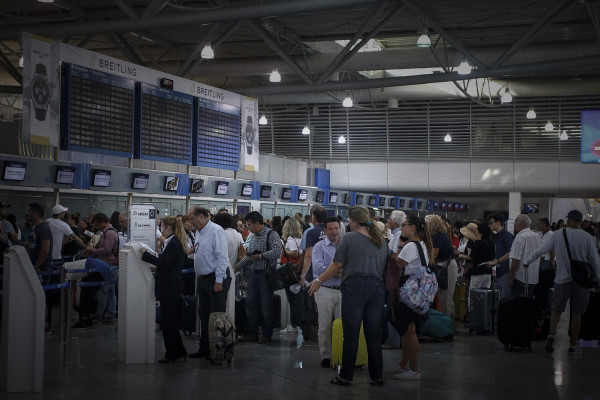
[(126, 8), (546, 19), (8, 67), (154, 7), (252, 11), (266, 36), (504, 72)]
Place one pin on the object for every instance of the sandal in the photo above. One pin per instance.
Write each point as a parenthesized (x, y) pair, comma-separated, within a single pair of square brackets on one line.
[(339, 381), (380, 382)]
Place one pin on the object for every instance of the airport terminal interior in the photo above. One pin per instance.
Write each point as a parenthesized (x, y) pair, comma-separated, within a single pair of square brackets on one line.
[(457, 108)]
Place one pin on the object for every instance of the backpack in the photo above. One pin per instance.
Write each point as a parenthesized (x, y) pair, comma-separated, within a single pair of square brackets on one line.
[(420, 288)]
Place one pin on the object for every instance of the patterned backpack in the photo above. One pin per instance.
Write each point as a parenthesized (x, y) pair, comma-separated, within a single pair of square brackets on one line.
[(419, 290), (221, 337)]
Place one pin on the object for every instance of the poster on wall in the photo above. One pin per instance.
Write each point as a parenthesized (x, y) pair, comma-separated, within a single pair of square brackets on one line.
[(142, 224), (41, 91), (590, 136), (249, 148)]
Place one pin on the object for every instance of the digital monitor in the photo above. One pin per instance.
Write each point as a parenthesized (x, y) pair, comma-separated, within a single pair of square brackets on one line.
[(456, 207), (100, 177), (348, 198), (531, 208), (411, 204), (392, 202), (401, 203), (333, 197), (247, 189), (429, 205), (444, 206), (382, 202), (419, 204), (302, 194), (14, 171), (320, 196), (372, 201), (265, 192), (286, 194), (139, 181), (450, 207), (171, 184), (359, 199), (436, 205), (222, 188), (64, 175), (466, 208), (197, 186), (462, 208)]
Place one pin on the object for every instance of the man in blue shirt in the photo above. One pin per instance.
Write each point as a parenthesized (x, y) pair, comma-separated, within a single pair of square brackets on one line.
[(211, 264), (329, 298), (504, 240), (263, 252)]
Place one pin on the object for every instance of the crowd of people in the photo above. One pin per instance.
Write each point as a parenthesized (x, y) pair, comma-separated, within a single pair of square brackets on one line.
[(341, 265)]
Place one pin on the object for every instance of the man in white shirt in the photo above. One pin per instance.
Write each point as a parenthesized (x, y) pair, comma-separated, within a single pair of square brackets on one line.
[(523, 280), (234, 242), (60, 231), (211, 263), (395, 221), (582, 248)]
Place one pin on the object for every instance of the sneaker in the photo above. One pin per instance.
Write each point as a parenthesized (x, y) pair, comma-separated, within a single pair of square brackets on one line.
[(288, 330), (575, 350), (550, 343), (408, 374)]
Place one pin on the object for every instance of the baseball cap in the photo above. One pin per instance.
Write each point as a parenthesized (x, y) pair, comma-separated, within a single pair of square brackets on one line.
[(58, 209), (575, 215), (4, 205)]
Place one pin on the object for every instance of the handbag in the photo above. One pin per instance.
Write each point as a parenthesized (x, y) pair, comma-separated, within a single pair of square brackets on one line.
[(303, 308), (441, 274), (581, 272), (420, 288), (282, 277)]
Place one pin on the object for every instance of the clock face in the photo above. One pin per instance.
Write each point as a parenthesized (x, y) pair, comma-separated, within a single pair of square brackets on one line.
[(40, 91)]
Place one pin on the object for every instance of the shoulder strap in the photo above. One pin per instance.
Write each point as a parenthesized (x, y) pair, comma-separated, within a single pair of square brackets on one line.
[(268, 236), (421, 254), (567, 243)]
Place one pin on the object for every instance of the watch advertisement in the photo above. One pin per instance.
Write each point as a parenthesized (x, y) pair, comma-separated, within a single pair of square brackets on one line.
[(41, 91), (249, 148)]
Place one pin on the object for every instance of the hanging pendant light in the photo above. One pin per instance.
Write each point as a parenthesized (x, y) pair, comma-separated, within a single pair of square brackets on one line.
[(306, 130), (447, 138), (549, 127), (531, 113), (424, 40), (564, 135), (348, 101), (263, 120), (341, 139), (464, 68), (275, 77), (506, 97), (207, 52)]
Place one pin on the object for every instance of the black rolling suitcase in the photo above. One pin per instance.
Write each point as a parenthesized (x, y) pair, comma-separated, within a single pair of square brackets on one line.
[(189, 315), (515, 317), (590, 320), (240, 316)]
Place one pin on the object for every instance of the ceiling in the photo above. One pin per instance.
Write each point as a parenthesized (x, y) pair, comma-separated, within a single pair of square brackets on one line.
[(536, 48)]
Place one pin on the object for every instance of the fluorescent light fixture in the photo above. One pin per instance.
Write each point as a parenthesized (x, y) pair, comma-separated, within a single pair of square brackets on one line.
[(21, 62), (424, 40), (263, 120), (447, 138), (341, 139), (549, 127), (306, 130), (207, 52), (348, 101), (464, 68), (564, 135), (275, 77), (531, 113), (506, 97)]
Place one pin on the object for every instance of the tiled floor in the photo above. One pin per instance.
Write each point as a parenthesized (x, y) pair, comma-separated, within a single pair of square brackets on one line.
[(473, 367)]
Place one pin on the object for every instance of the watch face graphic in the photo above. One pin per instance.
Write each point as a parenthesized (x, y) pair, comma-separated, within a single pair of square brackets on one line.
[(249, 135), (40, 91)]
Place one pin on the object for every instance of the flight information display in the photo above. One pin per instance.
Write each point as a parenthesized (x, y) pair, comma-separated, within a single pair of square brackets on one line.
[(219, 130), (98, 111), (166, 124)]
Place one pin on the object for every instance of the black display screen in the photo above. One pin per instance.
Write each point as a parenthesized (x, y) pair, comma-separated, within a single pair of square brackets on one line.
[(14, 171), (302, 194), (247, 189), (382, 202), (333, 197), (286, 193), (401, 203), (64, 175), (348, 198), (359, 199), (222, 188), (265, 192), (319, 197), (140, 181), (197, 186), (100, 177), (171, 183)]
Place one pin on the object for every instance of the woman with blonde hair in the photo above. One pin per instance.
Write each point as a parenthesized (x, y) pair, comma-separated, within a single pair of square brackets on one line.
[(291, 239), (442, 254), (362, 254), (169, 286), (408, 321)]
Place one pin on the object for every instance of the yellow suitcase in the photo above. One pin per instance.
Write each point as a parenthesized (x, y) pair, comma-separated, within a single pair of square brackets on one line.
[(337, 344), (459, 301)]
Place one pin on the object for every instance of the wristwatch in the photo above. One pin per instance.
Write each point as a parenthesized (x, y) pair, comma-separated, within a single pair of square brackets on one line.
[(249, 135), (40, 91)]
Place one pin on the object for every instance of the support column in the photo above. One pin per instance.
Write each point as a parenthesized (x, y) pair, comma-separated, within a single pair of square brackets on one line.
[(514, 209)]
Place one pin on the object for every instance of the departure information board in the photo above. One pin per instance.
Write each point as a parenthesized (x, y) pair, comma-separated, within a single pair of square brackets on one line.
[(166, 124), (219, 132), (97, 113)]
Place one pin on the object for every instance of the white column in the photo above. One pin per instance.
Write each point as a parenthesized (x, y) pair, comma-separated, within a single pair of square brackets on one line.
[(514, 209)]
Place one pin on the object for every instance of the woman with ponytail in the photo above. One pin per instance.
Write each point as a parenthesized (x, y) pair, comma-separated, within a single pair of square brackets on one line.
[(362, 255), (408, 321), (169, 286)]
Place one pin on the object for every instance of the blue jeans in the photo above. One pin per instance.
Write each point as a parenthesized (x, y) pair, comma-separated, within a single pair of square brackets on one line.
[(107, 295), (501, 284), (260, 296), (363, 299)]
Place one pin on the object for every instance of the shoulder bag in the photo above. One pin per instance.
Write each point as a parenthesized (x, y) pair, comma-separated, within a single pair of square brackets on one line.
[(581, 272), (421, 287)]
